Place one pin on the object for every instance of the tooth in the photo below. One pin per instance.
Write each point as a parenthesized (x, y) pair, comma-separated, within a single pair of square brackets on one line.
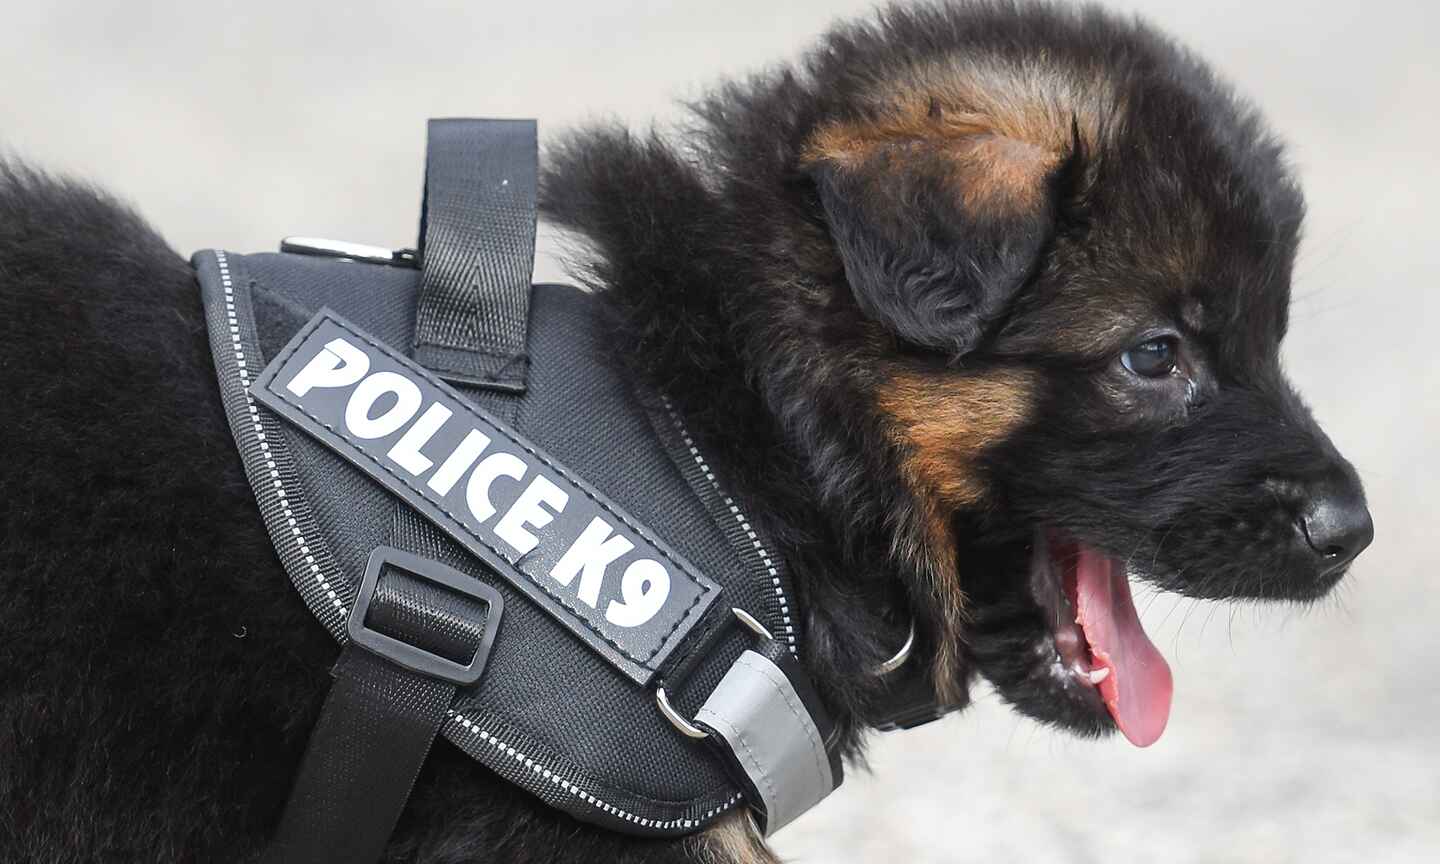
[(1098, 675)]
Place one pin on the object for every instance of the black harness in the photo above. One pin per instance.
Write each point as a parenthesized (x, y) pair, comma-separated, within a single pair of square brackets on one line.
[(518, 546)]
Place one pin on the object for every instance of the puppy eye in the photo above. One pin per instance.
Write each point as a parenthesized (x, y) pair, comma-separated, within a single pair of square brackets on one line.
[(1152, 359)]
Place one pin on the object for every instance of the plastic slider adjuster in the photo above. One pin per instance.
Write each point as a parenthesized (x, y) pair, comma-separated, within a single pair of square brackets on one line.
[(662, 700), (409, 656)]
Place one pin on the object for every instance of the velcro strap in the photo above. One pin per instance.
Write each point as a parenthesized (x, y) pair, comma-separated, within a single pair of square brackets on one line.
[(602, 574), (477, 246), (774, 734)]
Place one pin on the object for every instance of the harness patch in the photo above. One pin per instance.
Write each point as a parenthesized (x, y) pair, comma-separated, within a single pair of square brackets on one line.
[(596, 570)]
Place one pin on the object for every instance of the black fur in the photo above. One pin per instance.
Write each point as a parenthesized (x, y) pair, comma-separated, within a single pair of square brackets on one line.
[(145, 718), (917, 260), (144, 715)]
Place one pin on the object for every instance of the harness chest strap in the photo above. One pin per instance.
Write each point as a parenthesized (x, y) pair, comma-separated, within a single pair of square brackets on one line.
[(389, 697), (419, 631)]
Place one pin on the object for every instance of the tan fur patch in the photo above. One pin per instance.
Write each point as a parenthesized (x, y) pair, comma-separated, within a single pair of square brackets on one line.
[(947, 421), (990, 173), (733, 840), (944, 423), (1003, 174), (1032, 100), (1004, 124)]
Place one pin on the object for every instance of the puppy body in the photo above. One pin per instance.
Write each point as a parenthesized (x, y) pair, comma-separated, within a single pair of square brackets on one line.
[(887, 290)]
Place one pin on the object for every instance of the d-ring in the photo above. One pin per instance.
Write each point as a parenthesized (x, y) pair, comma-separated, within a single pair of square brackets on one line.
[(749, 621), (690, 730), (662, 701), (900, 657)]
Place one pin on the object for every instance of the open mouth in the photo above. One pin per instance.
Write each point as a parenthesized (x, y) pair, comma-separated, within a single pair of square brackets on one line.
[(1099, 641)]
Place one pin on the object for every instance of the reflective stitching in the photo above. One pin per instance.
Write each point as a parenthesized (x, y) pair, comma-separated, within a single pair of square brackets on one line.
[(740, 518), (297, 537), (537, 768)]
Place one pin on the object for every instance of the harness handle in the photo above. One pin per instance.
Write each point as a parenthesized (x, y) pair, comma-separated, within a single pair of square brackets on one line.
[(477, 251)]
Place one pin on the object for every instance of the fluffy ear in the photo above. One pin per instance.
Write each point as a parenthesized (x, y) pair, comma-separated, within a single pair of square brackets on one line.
[(938, 220)]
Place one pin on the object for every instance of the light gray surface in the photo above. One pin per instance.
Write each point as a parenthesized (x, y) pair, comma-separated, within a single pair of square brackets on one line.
[(1297, 735), (774, 739)]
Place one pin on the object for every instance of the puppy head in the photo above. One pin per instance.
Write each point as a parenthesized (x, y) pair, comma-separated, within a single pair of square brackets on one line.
[(1081, 245)]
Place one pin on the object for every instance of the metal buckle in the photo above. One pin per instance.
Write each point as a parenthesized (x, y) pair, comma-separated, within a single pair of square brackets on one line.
[(409, 656), (662, 701), (347, 251)]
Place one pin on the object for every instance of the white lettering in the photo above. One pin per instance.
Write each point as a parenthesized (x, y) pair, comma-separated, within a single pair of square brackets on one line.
[(357, 411), (526, 511), (477, 491), (459, 461), (593, 551), (406, 452), (339, 364), (645, 587)]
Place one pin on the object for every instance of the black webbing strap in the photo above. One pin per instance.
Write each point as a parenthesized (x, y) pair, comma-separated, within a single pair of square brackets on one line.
[(374, 733), (477, 248), (418, 632)]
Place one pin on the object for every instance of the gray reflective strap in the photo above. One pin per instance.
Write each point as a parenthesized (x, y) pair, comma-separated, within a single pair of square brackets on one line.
[(775, 733), (477, 251)]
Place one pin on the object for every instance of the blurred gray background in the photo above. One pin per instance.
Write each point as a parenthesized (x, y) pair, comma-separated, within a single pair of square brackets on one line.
[(1297, 735)]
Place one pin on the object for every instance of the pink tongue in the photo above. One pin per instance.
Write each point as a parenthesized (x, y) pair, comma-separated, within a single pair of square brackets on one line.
[(1138, 688)]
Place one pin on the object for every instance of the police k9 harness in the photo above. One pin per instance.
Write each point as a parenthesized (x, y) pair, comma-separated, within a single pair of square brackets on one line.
[(517, 546)]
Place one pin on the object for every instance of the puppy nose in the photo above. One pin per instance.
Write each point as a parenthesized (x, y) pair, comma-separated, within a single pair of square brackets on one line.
[(1337, 524)]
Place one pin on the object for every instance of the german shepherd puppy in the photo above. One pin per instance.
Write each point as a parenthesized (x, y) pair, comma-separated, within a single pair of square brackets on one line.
[(980, 305)]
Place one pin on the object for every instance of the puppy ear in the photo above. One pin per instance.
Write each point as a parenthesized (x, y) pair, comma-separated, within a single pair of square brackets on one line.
[(939, 220)]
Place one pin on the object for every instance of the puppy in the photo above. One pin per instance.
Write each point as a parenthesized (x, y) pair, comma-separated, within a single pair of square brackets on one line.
[(980, 304)]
